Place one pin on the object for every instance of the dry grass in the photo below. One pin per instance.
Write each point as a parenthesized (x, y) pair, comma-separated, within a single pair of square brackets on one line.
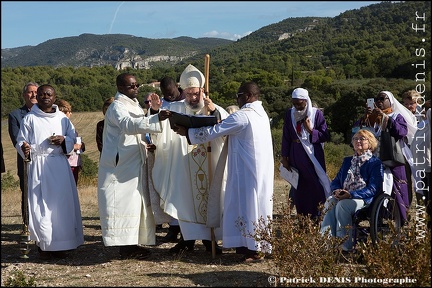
[(92, 264)]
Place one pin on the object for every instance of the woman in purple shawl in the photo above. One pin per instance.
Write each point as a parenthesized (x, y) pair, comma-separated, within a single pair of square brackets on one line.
[(401, 125), (304, 134)]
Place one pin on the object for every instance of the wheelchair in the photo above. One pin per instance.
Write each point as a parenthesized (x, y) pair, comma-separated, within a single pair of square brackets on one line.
[(379, 220)]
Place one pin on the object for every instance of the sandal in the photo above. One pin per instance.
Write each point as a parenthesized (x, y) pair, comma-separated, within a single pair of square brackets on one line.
[(252, 258)]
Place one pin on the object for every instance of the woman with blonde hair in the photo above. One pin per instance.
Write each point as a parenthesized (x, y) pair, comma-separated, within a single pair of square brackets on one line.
[(74, 158), (358, 181)]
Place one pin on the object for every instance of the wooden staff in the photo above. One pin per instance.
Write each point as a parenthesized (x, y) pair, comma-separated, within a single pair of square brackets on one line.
[(207, 92), (25, 234)]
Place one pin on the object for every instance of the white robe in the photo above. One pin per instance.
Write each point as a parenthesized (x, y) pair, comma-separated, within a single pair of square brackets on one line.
[(124, 207), (55, 222), (249, 186), (181, 176)]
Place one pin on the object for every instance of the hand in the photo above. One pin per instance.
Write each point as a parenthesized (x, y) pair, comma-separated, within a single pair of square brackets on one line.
[(307, 125), (164, 114), (151, 147), (368, 110), (156, 102), (427, 105), (209, 104), (25, 147), (77, 146), (285, 163), (56, 140), (340, 194), (180, 130)]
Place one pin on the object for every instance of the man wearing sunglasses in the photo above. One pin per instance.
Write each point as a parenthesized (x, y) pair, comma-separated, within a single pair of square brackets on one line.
[(125, 211)]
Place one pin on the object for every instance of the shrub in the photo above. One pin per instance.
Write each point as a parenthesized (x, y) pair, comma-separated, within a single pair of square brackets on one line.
[(89, 172), (89, 167), (8, 181), (410, 258), (18, 279)]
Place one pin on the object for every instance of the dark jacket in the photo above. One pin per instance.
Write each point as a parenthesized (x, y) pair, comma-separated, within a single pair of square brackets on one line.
[(14, 122), (372, 173)]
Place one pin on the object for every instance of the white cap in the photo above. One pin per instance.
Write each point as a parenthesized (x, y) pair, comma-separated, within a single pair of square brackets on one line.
[(191, 77), (300, 93)]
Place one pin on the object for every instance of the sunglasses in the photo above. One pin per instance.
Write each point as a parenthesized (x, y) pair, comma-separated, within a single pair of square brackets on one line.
[(239, 94), (133, 86), (382, 99), (147, 101)]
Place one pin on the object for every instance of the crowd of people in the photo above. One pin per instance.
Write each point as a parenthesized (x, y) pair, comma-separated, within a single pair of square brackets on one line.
[(209, 183)]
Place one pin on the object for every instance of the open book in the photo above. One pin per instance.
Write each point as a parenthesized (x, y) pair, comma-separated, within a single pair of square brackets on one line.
[(191, 121), (290, 176)]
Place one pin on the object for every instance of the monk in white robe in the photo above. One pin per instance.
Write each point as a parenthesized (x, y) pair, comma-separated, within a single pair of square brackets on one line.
[(125, 210), (181, 173), (249, 186), (55, 222)]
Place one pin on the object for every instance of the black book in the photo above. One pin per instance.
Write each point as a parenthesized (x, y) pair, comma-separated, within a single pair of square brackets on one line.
[(191, 121)]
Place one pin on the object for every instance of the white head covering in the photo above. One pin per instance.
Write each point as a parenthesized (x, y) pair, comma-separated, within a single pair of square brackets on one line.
[(191, 77), (301, 93), (409, 117)]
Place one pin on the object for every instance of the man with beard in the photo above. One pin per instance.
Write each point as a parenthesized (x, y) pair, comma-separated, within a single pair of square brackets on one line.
[(304, 134), (248, 194), (181, 171)]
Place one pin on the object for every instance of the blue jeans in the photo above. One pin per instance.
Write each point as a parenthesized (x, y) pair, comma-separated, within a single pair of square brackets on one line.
[(338, 219)]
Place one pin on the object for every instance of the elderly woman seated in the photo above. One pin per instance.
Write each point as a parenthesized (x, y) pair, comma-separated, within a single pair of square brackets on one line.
[(359, 179)]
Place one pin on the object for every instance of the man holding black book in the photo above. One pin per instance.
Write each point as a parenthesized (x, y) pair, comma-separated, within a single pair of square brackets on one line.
[(247, 200), (182, 172)]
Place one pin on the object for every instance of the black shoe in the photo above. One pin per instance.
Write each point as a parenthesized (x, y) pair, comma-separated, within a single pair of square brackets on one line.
[(134, 252), (44, 255), (59, 254), (208, 246), (172, 234), (242, 250), (183, 245)]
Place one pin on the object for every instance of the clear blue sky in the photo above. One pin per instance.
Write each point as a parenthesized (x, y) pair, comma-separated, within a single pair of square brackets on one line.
[(34, 22)]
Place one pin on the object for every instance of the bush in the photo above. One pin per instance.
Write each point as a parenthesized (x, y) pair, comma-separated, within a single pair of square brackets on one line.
[(89, 172), (89, 167), (300, 251), (18, 279), (410, 258), (8, 181)]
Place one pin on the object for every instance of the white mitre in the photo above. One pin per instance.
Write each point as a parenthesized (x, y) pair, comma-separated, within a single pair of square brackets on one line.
[(191, 78)]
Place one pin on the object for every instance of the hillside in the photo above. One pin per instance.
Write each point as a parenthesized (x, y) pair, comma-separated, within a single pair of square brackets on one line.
[(341, 61), (117, 50)]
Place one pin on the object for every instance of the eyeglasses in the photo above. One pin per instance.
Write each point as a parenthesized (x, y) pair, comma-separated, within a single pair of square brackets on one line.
[(133, 86), (239, 94), (196, 94), (355, 139), (382, 99), (147, 101)]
